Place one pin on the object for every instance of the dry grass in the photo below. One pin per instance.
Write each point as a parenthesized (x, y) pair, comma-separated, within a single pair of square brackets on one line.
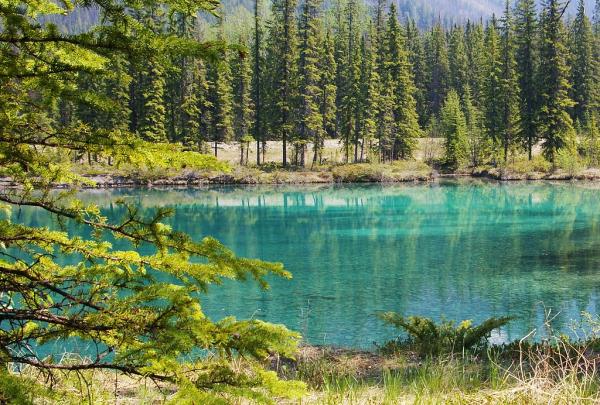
[(561, 373)]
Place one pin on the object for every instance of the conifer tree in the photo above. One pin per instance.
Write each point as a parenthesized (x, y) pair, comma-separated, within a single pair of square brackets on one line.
[(327, 85), (369, 95), (583, 66), (152, 124), (416, 57), (135, 312), (479, 144), (508, 96), (191, 103), (310, 118), (348, 85), (555, 125), (527, 60), (494, 111), (242, 107), (185, 91), (283, 57), (257, 80), (458, 62), (476, 61), (399, 74), (454, 128), (438, 68), (220, 91)]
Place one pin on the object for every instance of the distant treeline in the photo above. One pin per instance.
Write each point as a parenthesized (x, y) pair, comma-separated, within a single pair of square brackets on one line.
[(305, 73)]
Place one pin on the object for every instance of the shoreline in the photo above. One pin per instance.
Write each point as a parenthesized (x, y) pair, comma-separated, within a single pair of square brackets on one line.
[(254, 176)]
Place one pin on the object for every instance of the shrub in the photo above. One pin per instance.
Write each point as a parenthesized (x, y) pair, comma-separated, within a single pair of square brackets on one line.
[(569, 161), (536, 164), (429, 339)]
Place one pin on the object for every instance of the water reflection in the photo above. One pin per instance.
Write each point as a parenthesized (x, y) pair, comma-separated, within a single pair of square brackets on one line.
[(454, 249)]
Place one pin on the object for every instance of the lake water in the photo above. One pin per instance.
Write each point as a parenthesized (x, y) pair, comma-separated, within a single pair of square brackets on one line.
[(459, 250)]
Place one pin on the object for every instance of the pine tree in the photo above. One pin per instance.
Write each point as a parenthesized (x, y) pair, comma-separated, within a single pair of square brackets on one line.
[(384, 108), (494, 111), (476, 62), (190, 111), (348, 85), (205, 105), (416, 57), (555, 125), (527, 61), (152, 124), (257, 80), (310, 118), (406, 122), (438, 68), (242, 107), (583, 66), (458, 62), (508, 97), (454, 128), (220, 91), (283, 57), (184, 112), (328, 108), (369, 95), (477, 139)]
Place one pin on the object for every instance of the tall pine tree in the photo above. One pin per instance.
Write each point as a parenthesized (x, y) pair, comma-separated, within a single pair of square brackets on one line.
[(555, 125), (526, 58)]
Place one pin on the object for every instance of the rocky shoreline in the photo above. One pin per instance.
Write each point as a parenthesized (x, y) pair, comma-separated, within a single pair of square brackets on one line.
[(197, 179)]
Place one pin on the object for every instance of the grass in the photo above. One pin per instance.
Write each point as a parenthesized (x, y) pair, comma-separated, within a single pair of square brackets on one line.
[(520, 373)]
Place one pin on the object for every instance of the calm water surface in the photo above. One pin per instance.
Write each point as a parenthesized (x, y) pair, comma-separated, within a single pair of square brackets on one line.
[(459, 250)]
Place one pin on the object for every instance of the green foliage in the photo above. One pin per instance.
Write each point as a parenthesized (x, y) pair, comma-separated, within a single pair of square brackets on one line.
[(139, 310), (522, 165), (569, 161), (428, 338), (555, 125), (454, 129)]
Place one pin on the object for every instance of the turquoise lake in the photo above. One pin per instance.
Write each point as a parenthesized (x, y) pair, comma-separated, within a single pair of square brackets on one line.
[(453, 249)]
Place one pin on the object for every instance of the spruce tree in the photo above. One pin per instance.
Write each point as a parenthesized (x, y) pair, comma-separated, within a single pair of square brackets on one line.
[(416, 57), (555, 125), (369, 95), (508, 97), (438, 68), (190, 110), (242, 103), (327, 85), (152, 124), (310, 119), (399, 74), (257, 80), (583, 66), (283, 57), (479, 144), (494, 111), (133, 312), (458, 62), (454, 129), (476, 64), (220, 92), (348, 86), (525, 23)]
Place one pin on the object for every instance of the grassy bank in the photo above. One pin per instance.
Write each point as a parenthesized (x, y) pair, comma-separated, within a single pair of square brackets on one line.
[(129, 176), (431, 363), (515, 374)]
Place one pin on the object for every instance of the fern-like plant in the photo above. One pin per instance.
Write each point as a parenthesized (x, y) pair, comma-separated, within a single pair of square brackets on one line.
[(430, 339)]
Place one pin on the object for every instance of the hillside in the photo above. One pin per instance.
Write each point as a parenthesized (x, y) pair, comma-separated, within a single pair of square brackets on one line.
[(424, 12)]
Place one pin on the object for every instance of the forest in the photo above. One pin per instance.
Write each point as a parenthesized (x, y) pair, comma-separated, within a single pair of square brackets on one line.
[(304, 73), (127, 296)]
